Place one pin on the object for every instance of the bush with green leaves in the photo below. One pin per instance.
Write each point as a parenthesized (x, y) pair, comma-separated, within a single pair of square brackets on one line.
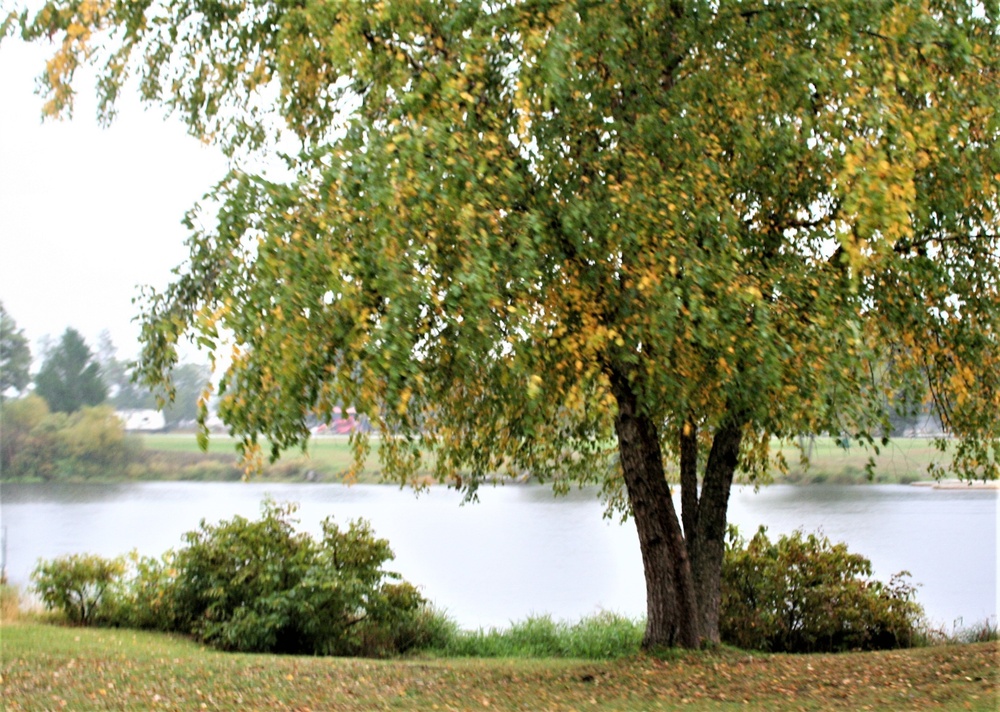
[(143, 597), (88, 443), (77, 585), (257, 586), (260, 586), (806, 594)]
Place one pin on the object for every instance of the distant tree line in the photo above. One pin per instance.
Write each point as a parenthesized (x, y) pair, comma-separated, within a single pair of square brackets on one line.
[(61, 421), (15, 356)]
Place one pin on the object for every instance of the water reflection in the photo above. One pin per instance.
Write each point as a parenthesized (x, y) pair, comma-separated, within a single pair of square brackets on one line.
[(60, 492)]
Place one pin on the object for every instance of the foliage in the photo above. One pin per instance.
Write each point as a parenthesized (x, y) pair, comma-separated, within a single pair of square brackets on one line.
[(805, 594), (70, 377), (88, 443), (123, 392), (255, 586), (189, 391), (23, 449), (259, 586), (189, 386), (93, 443), (517, 233), (143, 597), (76, 585), (15, 355)]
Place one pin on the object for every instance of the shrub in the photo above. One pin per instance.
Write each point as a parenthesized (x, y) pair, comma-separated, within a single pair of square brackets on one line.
[(144, 596), (258, 586), (25, 449), (805, 594), (76, 585), (255, 586), (231, 577), (94, 444), (88, 443)]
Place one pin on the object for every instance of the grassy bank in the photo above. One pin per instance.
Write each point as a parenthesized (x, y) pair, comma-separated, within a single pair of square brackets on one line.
[(48, 667), (176, 456), (903, 461)]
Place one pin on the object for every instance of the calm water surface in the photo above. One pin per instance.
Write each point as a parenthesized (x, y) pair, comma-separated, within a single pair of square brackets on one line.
[(520, 550)]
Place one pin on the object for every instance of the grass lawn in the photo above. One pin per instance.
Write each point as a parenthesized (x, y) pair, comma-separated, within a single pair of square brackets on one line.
[(903, 460), (327, 458), (47, 667)]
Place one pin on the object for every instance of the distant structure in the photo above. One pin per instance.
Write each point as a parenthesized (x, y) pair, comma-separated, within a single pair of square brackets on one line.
[(142, 420), (342, 423)]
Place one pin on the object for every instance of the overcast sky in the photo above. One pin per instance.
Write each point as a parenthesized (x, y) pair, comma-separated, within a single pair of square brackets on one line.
[(87, 214)]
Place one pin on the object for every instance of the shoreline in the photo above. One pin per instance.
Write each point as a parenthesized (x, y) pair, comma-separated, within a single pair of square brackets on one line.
[(959, 484)]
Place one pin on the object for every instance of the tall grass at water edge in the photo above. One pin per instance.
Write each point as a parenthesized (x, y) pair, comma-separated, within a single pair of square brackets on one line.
[(603, 636), (10, 602), (985, 631)]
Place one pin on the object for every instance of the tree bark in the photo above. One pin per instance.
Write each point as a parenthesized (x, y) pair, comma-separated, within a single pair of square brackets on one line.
[(671, 609), (689, 480), (708, 543)]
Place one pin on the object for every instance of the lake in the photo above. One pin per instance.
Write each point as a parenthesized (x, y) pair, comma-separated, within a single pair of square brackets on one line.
[(521, 550)]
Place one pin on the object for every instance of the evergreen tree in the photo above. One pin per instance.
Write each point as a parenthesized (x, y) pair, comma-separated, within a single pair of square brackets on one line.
[(15, 356), (70, 377)]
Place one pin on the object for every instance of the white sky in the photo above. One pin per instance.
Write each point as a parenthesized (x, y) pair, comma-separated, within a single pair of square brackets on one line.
[(88, 214)]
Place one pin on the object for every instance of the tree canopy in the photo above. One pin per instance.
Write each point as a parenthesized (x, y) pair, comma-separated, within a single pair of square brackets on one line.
[(518, 232), (70, 377)]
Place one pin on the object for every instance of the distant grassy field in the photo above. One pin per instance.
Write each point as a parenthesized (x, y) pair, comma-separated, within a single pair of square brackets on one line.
[(328, 458), (47, 667), (903, 460)]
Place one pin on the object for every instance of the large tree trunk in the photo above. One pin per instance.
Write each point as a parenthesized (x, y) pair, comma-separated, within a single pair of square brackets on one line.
[(671, 609), (707, 537)]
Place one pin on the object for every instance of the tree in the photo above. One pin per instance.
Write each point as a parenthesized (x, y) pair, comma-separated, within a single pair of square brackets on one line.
[(15, 356), (70, 378), (520, 232), (25, 450), (189, 382), (191, 389), (123, 392)]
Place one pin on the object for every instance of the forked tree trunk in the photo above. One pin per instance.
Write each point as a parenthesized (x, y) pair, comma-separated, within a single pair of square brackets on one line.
[(683, 568), (671, 610), (706, 540)]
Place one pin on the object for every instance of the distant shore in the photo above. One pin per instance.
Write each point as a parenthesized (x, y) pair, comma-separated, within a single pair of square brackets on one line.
[(960, 484), (176, 456)]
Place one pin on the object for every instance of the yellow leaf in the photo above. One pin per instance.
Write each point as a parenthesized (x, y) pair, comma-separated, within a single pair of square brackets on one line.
[(534, 385), (404, 401)]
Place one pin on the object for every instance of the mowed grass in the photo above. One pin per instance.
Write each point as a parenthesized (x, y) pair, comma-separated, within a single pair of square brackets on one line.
[(328, 458), (329, 451), (902, 460), (177, 456), (47, 667)]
